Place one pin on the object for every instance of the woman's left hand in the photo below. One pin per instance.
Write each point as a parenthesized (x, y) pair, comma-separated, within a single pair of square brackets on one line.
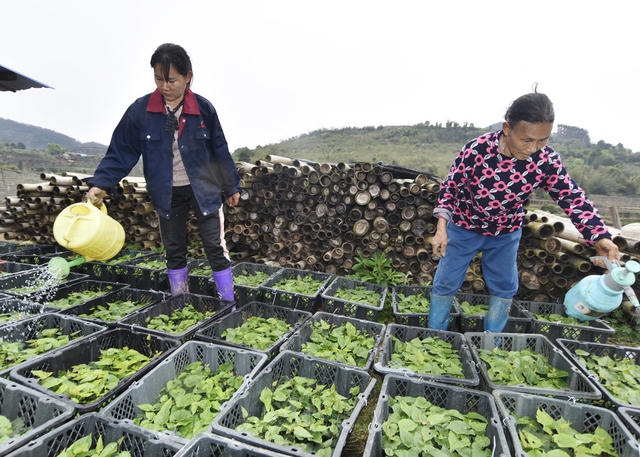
[(234, 199), (607, 248)]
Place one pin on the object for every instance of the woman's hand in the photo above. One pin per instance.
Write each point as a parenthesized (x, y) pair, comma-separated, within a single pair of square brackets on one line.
[(439, 240), (606, 247), (234, 199), (95, 195)]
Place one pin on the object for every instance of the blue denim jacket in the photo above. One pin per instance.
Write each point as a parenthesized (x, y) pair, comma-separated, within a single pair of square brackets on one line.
[(205, 154)]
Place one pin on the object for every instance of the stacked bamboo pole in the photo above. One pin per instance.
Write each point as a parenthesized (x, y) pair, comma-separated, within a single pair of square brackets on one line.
[(320, 216)]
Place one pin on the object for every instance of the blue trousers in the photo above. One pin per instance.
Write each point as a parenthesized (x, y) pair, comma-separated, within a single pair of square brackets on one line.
[(499, 266)]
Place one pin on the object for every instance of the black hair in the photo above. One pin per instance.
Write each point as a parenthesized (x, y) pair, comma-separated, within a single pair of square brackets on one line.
[(533, 107), (171, 54)]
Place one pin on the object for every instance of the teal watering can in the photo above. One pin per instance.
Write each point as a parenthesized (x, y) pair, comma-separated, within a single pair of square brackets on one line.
[(596, 295)]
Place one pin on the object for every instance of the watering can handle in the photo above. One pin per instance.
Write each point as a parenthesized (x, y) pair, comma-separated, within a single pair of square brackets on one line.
[(628, 291), (609, 265)]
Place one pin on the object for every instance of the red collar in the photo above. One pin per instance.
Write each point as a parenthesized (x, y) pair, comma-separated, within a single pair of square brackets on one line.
[(156, 105)]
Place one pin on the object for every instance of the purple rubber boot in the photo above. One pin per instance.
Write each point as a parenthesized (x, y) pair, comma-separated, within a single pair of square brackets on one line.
[(179, 281), (224, 284)]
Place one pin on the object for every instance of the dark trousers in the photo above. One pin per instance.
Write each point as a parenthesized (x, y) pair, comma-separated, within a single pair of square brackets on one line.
[(174, 232)]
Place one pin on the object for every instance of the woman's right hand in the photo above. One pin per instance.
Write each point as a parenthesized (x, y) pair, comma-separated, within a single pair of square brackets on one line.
[(439, 240), (95, 195)]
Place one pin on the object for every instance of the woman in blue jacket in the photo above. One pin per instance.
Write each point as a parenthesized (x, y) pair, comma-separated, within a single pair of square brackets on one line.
[(186, 164)]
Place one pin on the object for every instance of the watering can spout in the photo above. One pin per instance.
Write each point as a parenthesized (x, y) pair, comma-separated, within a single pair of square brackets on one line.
[(60, 268)]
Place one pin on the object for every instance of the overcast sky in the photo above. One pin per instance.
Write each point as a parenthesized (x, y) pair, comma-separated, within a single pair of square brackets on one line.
[(276, 69)]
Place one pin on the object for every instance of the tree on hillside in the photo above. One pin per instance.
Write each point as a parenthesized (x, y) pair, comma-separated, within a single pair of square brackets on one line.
[(55, 149)]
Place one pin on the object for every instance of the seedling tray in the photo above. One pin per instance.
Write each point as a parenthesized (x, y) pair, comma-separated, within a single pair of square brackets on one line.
[(302, 335), (583, 419), (213, 332), (126, 294), (12, 304), (596, 331), (140, 443), (285, 366), (30, 328), (579, 385), (631, 419), (199, 284), (294, 300), (29, 278), (445, 396), (418, 319), (210, 445), (141, 277), (202, 303), (615, 352), (247, 294), (406, 333), (82, 286), (475, 323), (359, 310), (39, 413), (112, 272), (147, 390), (88, 350), (10, 268)]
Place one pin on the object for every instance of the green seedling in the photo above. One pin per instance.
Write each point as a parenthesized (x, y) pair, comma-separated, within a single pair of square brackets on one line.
[(429, 356), (343, 343), (359, 294), (620, 376), (304, 285), (87, 382), (522, 367), (416, 427), (301, 412), (179, 321), (412, 304), (250, 279), (257, 332), (13, 353), (188, 404)]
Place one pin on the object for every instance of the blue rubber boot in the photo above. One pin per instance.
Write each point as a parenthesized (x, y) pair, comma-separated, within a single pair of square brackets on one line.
[(224, 284), (496, 318), (179, 281), (439, 311)]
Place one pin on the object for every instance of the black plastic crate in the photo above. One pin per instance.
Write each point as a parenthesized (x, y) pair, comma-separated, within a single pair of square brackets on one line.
[(583, 419), (445, 396), (119, 258), (579, 385), (38, 412), (82, 286), (30, 279), (631, 419), (88, 350), (202, 303), (418, 319), (595, 331), (301, 336), (146, 390), (138, 277), (213, 331), (615, 352), (140, 443), (143, 297), (199, 283), (516, 322), (332, 304), (294, 300), (36, 254), (9, 268), (285, 366), (27, 329), (246, 294), (407, 333), (29, 309), (210, 445)]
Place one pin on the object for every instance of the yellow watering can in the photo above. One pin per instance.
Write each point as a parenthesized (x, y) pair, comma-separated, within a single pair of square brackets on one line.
[(87, 230)]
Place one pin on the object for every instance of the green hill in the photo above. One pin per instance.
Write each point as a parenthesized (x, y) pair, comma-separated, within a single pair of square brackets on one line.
[(33, 137), (600, 168)]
